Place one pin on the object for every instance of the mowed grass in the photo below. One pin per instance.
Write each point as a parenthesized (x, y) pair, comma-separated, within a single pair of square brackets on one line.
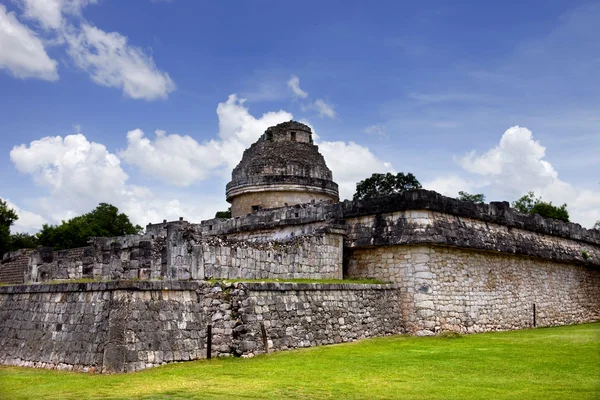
[(546, 363)]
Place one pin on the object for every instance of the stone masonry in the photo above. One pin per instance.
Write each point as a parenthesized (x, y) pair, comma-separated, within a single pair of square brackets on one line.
[(128, 326)]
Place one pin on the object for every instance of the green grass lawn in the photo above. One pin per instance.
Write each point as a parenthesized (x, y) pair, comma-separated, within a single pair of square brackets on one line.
[(547, 363)]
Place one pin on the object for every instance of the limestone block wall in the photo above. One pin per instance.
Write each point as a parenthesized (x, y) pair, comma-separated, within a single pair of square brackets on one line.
[(305, 315), (191, 255), (446, 288), (131, 325)]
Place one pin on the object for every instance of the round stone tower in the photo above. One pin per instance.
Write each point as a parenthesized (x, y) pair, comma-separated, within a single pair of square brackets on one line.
[(282, 167)]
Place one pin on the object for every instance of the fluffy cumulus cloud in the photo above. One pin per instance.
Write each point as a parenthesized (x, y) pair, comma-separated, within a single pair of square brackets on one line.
[(294, 84), (188, 161), (351, 163), (517, 165), (79, 174), (73, 166), (111, 61), (22, 53)]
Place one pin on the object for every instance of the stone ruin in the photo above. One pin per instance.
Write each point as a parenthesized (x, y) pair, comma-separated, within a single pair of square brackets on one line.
[(185, 291)]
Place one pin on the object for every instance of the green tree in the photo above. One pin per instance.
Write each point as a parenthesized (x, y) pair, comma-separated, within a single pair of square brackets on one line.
[(104, 221), (473, 198), (7, 217), (385, 184), (529, 204), (597, 225), (223, 214), (23, 241)]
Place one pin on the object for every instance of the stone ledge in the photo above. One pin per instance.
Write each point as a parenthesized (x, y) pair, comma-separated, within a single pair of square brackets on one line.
[(186, 285), (287, 286), (103, 286)]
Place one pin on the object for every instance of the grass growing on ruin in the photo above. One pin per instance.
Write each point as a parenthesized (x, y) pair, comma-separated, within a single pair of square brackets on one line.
[(547, 363), (355, 281)]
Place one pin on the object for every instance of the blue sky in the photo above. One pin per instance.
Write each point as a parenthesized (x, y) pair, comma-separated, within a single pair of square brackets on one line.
[(149, 104)]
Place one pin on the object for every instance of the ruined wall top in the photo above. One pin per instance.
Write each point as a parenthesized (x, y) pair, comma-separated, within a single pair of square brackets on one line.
[(495, 212)]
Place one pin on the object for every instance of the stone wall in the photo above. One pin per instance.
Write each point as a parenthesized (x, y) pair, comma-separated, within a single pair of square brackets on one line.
[(132, 325), (275, 197), (317, 256), (305, 315), (445, 288)]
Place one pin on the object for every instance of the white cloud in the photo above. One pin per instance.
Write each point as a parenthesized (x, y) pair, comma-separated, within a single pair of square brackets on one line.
[(112, 62), (72, 166), (187, 160), (449, 185), (294, 84), (49, 13), (79, 174), (28, 221), (22, 52), (376, 130), (351, 163), (517, 165), (324, 109)]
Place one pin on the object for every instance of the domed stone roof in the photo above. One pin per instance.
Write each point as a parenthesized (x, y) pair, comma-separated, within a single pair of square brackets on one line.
[(283, 159)]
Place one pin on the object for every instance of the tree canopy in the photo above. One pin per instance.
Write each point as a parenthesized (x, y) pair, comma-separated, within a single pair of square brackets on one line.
[(7, 217), (223, 214), (104, 221), (473, 198), (530, 204), (385, 184), (597, 225)]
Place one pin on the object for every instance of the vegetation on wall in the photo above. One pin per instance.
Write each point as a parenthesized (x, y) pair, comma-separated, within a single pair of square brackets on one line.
[(385, 184), (530, 204), (223, 214), (473, 198)]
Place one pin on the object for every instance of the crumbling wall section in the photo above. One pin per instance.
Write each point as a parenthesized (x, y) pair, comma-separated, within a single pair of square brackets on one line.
[(14, 265), (124, 257)]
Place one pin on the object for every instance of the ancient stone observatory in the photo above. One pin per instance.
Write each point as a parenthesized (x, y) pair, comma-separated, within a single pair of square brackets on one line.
[(448, 266), (282, 168)]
